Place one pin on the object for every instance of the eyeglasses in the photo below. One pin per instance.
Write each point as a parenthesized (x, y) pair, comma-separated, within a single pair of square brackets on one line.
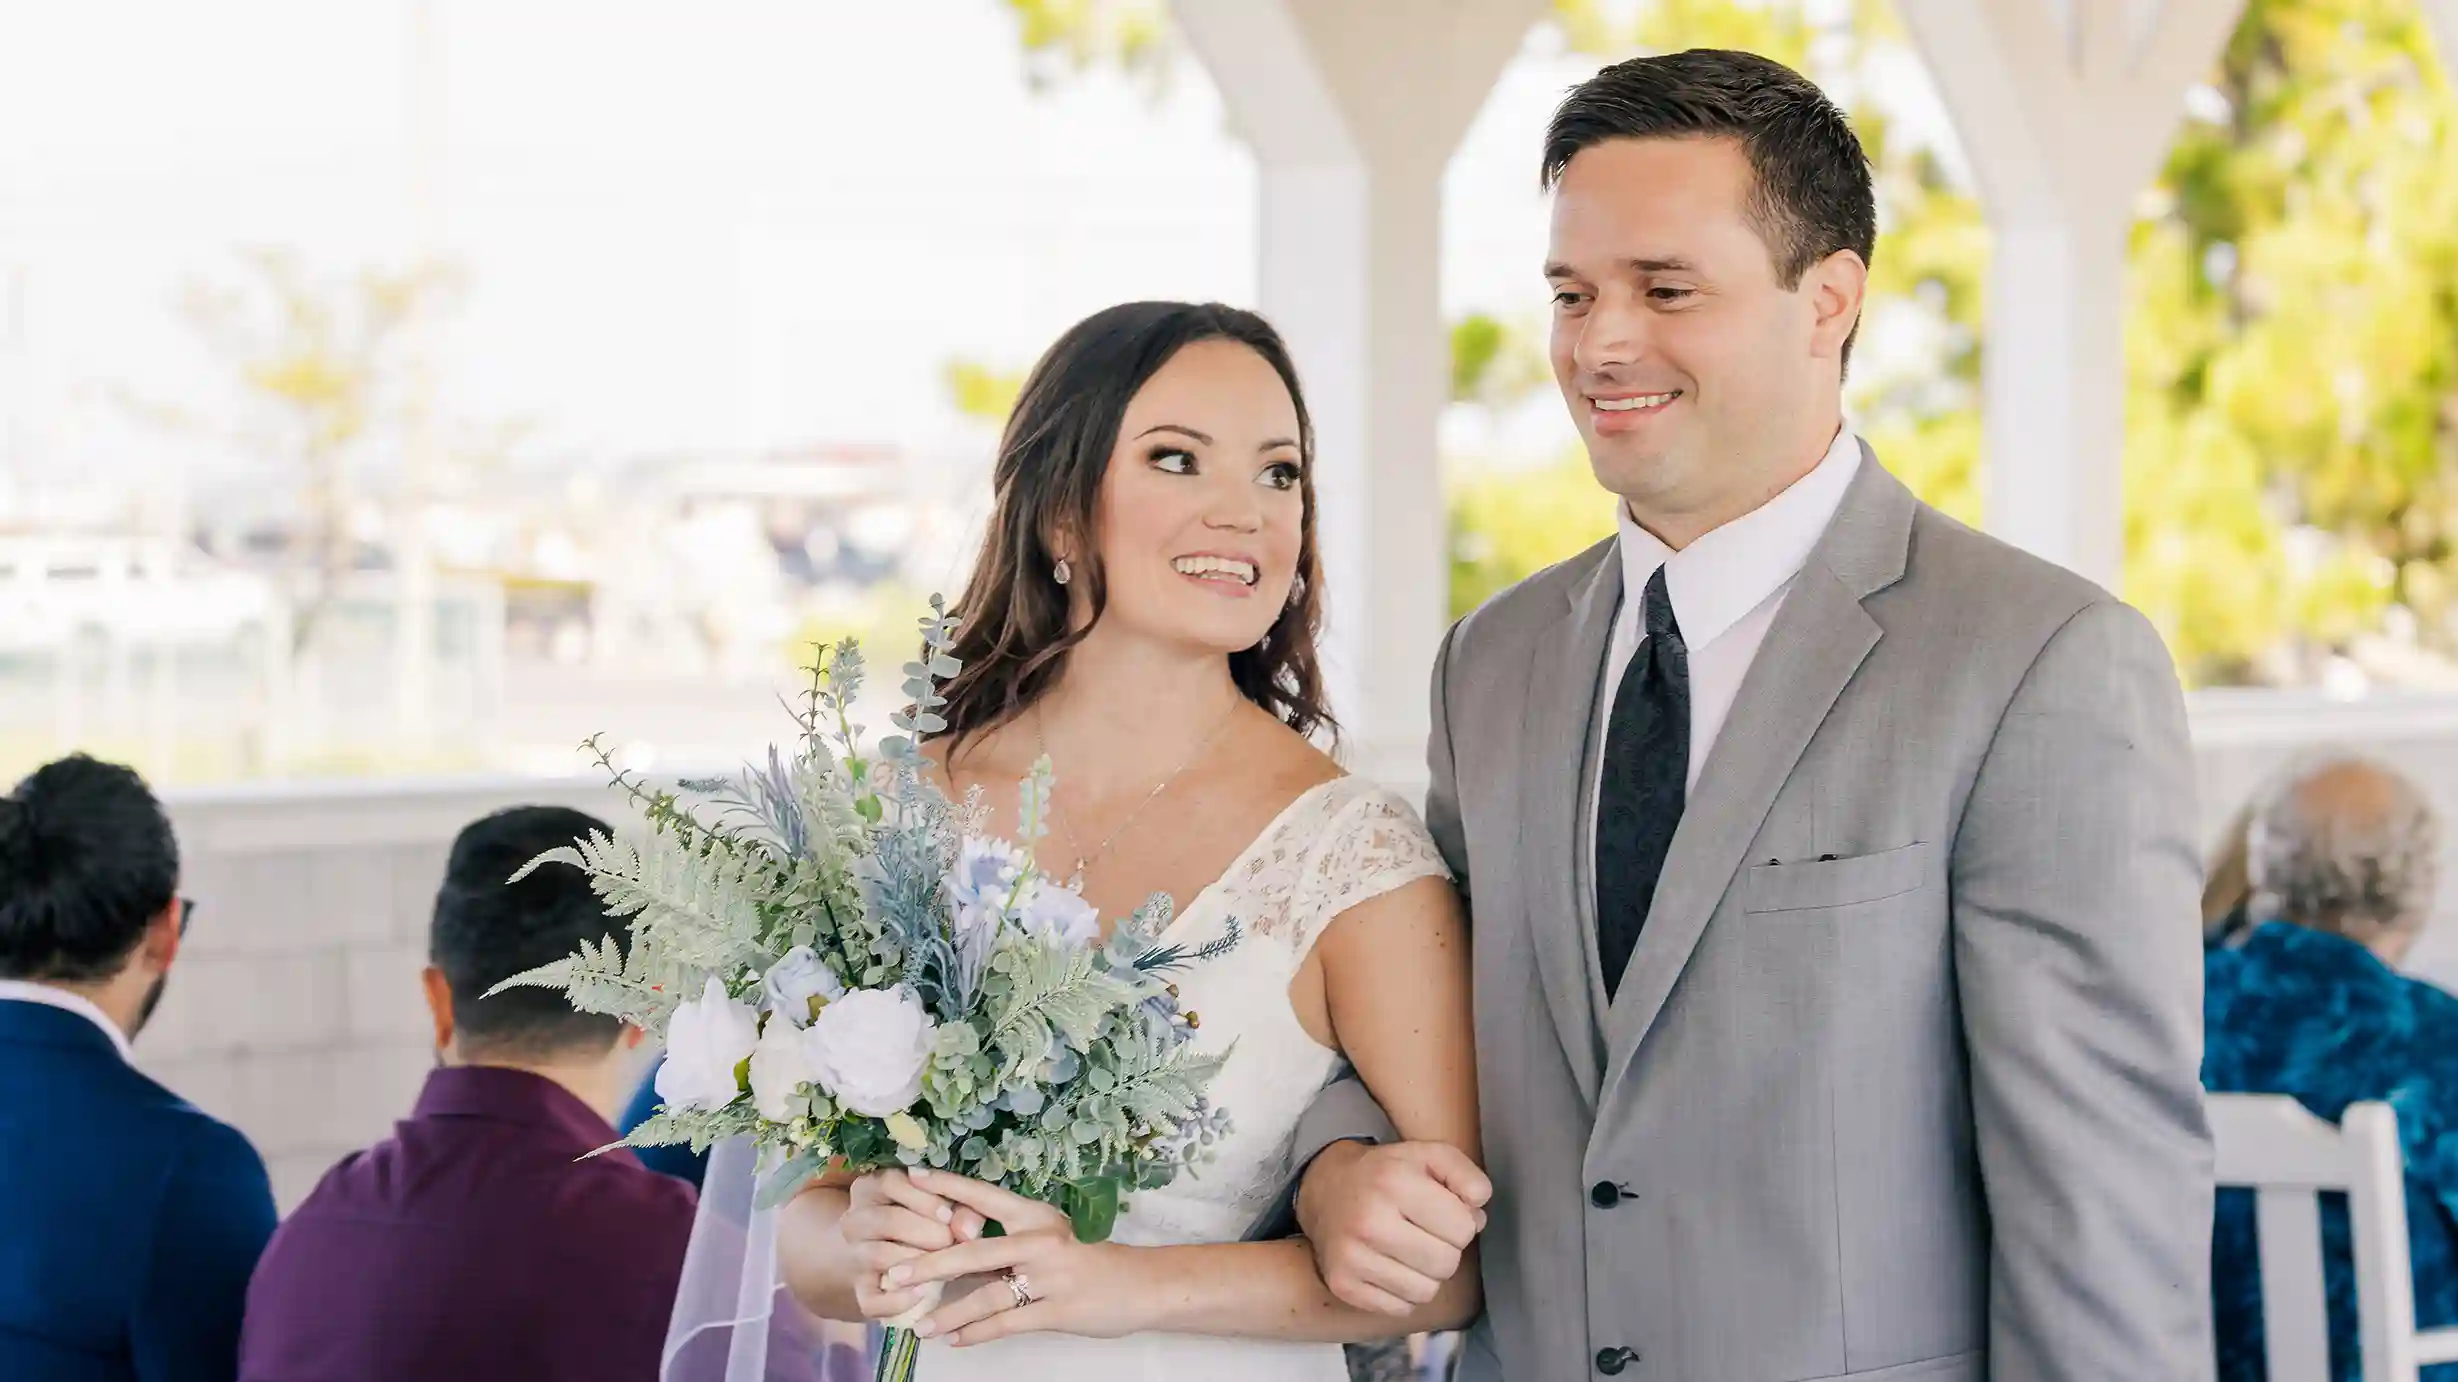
[(187, 909)]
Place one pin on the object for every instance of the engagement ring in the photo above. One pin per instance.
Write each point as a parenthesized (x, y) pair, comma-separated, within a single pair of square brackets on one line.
[(1019, 1288)]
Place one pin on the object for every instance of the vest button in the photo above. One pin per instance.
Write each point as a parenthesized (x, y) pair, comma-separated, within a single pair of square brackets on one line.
[(1611, 1361), (1604, 1194)]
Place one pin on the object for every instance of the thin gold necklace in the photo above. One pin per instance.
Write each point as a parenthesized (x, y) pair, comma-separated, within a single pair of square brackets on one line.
[(1084, 861)]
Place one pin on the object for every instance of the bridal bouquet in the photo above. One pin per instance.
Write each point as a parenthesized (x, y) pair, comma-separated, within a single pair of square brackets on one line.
[(845, 969)]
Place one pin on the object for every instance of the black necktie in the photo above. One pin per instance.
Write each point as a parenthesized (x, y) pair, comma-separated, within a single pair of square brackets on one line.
[(1647, 763)]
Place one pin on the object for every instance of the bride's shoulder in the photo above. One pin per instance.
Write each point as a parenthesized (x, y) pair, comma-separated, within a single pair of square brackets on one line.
[(1313, 785), (1334, 811)]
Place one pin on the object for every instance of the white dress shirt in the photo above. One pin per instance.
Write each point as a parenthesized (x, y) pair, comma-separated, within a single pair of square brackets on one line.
[(1726, 588), (23, 991)]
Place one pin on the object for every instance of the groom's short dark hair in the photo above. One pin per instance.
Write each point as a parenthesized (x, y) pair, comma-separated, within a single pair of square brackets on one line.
[(487, 930), (1814, 194)]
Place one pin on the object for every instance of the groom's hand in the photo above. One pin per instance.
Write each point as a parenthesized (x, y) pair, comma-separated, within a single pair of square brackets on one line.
[(1389, 1224)]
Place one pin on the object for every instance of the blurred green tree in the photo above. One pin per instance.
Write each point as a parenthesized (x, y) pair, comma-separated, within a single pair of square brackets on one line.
[(316, 364), (980, 391)]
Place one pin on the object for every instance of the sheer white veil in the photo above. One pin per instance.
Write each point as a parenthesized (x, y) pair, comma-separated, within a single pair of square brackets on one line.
[(734, 1321)]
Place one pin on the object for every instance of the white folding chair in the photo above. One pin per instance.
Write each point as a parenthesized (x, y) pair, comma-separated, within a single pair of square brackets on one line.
[(2269, 1144)]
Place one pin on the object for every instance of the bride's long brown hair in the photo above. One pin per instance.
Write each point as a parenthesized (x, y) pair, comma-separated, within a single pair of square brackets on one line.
[(1014, 638)]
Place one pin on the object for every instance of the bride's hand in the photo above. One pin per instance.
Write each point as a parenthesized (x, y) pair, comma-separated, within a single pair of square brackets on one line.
[(1037, 1276), (890, 1221)]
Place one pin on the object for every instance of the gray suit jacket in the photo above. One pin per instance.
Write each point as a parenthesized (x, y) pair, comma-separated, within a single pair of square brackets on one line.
[(1902, 1080)]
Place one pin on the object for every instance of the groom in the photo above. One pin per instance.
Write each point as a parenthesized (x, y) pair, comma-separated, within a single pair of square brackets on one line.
[(1838, 986)]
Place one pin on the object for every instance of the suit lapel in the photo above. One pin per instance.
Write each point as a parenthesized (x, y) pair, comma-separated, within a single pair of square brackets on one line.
[(1819, 638), (1562, 689)]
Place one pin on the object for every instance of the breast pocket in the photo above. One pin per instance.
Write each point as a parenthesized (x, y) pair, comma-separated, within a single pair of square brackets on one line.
[(1811, 884)]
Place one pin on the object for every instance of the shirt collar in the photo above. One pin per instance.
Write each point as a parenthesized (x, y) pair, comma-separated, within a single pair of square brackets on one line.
[(513, 1096), (1728, 572), (49, 995)]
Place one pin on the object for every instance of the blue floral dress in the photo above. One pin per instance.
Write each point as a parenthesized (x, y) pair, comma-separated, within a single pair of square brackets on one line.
[(2298, 1012)]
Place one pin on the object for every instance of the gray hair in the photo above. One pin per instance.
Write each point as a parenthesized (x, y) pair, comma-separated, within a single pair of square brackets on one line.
[(2345, 845)]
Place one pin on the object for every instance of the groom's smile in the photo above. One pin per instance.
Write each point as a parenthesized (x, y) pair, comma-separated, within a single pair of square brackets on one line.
[(1614, 415)]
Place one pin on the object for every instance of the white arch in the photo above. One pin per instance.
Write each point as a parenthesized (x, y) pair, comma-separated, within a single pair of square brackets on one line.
[(2442, 16), (2064, 125), (1353, 108)]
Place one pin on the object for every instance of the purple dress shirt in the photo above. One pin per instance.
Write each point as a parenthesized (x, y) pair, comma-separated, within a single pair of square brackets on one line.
[(472, 1245)]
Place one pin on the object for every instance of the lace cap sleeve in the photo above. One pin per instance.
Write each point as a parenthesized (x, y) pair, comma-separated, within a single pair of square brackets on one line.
[(1359, 842)]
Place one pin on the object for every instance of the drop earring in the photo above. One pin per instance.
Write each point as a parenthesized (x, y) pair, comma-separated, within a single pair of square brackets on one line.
[(1061, 573)]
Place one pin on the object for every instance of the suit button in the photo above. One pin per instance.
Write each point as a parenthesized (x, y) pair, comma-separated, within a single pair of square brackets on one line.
[(1604, 1194), (1611, 1361)]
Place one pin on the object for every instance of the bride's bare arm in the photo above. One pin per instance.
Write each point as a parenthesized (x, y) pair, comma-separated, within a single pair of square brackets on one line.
[(1396, 993)]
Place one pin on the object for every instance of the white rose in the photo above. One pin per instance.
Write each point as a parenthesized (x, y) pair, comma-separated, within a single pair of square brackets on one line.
[(780, 1067), (868, 1049), (793, 981), (708, 1037)]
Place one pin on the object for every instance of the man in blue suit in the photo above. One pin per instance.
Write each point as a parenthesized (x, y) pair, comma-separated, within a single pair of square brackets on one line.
[(129, 1221)]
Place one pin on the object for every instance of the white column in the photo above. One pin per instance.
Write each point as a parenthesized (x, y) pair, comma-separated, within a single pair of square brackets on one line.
[(2064, 124), (414, 585), (1353, 108), (2442, 16)]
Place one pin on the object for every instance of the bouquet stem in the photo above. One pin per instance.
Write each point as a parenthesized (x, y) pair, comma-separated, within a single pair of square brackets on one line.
[(899, 1347)]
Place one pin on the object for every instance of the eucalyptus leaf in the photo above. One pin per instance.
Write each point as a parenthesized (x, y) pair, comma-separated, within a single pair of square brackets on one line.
[(1092, 1208), (781, 1184)]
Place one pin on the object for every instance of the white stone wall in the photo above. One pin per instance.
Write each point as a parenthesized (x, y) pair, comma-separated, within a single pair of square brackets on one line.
[(296, 1014)]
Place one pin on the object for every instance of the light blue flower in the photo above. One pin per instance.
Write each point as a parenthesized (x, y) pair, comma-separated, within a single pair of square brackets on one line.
[(985, 870), (977, 922), (1062, 1066), (1055, 913), (793, 981)]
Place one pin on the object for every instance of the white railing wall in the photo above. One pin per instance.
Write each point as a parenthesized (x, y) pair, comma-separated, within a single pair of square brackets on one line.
[(296, 1012)]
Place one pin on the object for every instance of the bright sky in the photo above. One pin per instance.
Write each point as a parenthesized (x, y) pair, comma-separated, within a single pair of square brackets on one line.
[(743, 223)]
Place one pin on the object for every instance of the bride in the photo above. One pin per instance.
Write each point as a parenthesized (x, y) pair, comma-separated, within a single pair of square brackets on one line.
[(1143, 612)]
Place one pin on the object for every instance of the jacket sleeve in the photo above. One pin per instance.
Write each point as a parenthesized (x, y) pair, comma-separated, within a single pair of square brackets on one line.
[(2078, 957), (215, 1216)]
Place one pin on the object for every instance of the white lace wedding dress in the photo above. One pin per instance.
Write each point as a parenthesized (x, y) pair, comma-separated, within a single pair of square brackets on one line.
[(1330, 849)]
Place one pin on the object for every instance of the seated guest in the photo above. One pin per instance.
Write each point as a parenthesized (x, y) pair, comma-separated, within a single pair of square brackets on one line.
[(2305, 1000), (128, 1220), (475, 1244)]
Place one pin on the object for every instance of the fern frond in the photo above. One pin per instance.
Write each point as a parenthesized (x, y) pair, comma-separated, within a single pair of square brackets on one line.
[(666, 1128), (600, 979), (554, 975), (1055, 990), (1168, 1091), (694, 908)]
